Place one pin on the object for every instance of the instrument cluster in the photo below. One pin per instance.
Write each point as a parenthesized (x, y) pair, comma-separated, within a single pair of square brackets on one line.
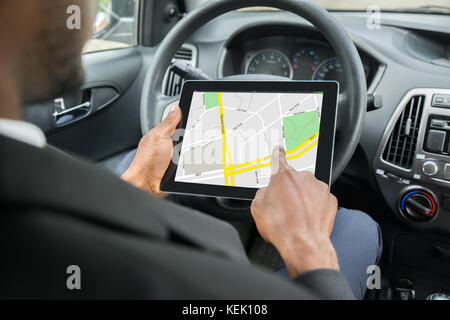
[(308, 60)]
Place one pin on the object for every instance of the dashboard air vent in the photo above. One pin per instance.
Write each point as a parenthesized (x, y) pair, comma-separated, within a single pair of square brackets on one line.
[(401, 146), (172, 82), (184, 53)]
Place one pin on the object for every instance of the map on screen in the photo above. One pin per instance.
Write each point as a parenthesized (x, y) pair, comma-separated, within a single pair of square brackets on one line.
[(229, 136)]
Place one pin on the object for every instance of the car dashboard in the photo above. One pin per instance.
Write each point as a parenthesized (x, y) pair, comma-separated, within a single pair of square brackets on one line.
[(297, 58)]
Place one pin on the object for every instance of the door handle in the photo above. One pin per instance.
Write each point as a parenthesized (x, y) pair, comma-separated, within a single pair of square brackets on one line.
[(63, 116), (85, 105), (88, 101)]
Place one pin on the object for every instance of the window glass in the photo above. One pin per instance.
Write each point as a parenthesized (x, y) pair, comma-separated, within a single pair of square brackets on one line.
[(115, 25), (419, 6)]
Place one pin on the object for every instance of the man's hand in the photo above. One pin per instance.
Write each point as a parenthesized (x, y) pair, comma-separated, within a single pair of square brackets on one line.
[(296, 214), (153, 155)]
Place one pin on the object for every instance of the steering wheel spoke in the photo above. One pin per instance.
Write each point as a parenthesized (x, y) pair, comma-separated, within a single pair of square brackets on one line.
[(160, 108)]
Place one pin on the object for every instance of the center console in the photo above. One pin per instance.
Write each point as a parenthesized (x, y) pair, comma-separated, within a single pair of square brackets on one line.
[(412, 165)]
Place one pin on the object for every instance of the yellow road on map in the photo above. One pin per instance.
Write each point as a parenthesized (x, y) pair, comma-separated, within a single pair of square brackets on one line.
[(268, 157), (266, 164), (229, 171), (224, 143)]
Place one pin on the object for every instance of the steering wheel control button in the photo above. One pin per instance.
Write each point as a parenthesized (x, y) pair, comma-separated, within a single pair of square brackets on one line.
[(435, 141), (429, 168), (441, 100), (418, 206)]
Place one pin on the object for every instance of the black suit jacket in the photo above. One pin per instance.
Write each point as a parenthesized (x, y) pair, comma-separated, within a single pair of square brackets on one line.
[(57, 211)]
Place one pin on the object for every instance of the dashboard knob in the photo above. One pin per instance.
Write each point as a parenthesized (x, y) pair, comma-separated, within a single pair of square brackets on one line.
[(429, 168), (418, 206)]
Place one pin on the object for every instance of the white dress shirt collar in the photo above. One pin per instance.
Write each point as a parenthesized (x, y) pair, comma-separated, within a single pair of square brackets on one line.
[(23, 131)]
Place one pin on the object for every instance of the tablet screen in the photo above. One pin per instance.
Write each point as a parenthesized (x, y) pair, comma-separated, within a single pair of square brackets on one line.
[(229, 136)]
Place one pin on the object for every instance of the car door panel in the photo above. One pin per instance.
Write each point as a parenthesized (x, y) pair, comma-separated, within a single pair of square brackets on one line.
[(101, 119)]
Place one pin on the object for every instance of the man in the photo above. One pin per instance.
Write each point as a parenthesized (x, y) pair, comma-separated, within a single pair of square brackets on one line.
[(72, 230)]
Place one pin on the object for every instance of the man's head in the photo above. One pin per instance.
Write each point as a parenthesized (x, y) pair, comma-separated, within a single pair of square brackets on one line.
[(38, 49)]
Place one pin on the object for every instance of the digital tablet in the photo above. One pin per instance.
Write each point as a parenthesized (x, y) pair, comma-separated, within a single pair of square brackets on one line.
[(230, 128)]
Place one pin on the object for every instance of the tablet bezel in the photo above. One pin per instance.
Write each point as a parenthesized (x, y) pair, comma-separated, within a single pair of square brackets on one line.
[(325, 149)]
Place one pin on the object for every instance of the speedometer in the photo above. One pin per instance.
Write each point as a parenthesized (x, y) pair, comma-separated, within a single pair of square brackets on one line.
[(270, 61), (331, 69)]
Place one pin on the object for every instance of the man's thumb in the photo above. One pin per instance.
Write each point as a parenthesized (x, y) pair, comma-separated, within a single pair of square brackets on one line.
[(172, 120), (278, 159)]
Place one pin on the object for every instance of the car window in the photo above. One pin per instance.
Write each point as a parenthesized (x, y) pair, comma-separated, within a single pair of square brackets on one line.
[(115, 25), (418, 6)]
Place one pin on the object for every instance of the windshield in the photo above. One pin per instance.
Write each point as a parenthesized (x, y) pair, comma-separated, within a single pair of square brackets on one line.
[(419, 6)]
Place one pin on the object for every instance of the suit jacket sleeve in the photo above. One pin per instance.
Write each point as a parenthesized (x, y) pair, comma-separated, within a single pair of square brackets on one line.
[(326, 283)]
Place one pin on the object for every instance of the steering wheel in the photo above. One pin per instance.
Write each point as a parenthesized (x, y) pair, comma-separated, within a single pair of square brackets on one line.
[(352, 101)]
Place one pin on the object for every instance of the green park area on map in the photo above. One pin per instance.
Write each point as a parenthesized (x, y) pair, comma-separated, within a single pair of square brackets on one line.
[(299, 128), (211, 100)]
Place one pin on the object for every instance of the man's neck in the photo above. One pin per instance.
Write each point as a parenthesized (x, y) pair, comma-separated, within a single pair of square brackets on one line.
[(10, 102)]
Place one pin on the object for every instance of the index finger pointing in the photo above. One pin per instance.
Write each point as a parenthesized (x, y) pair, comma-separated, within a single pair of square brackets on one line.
[(278, 159)]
